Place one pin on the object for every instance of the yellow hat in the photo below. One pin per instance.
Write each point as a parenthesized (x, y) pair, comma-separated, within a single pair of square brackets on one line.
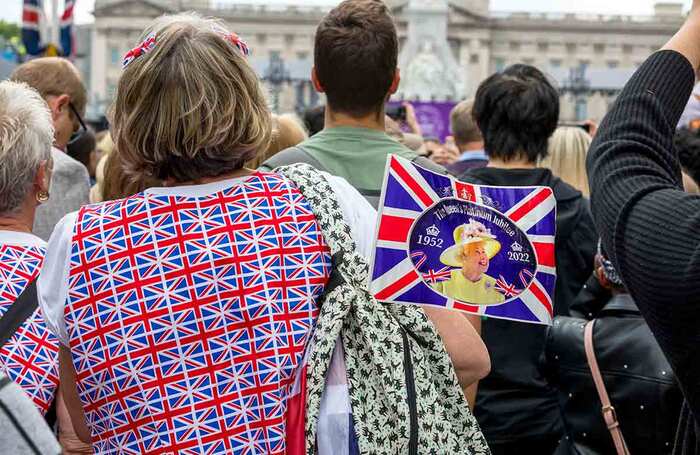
[(465, 234)]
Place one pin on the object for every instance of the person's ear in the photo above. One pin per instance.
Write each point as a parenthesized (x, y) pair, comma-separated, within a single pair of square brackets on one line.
[(43, 176), (62, 102), (42, 181), (314, 80), (602, 279), (395, 83), (58, 105)]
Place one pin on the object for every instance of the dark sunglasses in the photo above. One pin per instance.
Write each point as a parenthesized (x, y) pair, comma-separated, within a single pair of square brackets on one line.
[(83, 129)]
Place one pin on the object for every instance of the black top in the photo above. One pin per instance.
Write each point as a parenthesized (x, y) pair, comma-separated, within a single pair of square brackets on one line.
[(576, 238), (650, 227), (637, 376), (515, 401)]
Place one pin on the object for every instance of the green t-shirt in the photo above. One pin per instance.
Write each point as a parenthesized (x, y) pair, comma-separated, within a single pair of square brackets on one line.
[(357, 154)]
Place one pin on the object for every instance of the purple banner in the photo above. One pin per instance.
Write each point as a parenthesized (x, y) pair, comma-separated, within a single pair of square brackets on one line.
[(433, 117)]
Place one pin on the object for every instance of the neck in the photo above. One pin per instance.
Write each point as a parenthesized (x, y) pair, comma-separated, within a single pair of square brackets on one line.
[(244, 172), (471, 146), (22, 221), (373, 121), (471, 276), (517, 163)]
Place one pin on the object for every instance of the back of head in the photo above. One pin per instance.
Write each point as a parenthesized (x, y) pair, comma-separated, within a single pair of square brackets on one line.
[(290, 131), (687, 143), (517, 111), (53, 76), (566, 157), (82, 147), (462, 124), (314, 119), (190, 106), (26, 134), (356, 55), (116, 184), (286, 132)]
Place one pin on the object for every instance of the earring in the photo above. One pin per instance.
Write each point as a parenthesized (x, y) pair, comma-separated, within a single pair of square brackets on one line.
[(42, 196)]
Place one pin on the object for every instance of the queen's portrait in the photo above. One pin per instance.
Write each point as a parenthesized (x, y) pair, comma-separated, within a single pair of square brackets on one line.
[(472, 252)]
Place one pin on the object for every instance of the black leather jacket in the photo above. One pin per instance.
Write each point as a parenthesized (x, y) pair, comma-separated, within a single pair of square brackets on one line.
[(638, 378)]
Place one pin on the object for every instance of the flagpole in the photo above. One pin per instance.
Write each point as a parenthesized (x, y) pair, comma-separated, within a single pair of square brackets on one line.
[(55, 25)]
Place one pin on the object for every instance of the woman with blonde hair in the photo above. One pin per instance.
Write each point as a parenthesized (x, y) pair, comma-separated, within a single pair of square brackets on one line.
[(287, 131), (183, 312), (165, 302), (566, 158)]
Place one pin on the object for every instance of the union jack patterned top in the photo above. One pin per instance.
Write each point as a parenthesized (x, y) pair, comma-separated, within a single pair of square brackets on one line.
[(187, 311), (30, 356)]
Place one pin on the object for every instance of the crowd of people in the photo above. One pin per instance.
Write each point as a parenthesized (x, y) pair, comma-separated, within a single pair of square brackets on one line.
[(193, 280)]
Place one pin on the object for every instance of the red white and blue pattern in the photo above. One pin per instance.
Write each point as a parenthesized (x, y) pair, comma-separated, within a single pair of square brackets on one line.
[(67, 36), (409, 190), (30, 357), (187, 316), (32, 18)]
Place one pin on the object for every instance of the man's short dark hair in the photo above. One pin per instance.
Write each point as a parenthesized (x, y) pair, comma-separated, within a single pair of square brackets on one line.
[(81, 148), (315, 119), (517, 111), (355, 56), (687, 143)]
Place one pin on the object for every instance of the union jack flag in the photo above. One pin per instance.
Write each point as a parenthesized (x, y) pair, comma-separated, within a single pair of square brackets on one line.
[(32, 21), (188, 316), (509, 290), (30, 356), (437, 276), (66, 36), (409, 191)]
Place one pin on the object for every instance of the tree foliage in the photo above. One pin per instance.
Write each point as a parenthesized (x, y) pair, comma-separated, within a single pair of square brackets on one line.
[(9, 30)]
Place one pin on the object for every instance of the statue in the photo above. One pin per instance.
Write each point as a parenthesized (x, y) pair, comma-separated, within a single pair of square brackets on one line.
[(429, 69), (426, 76)]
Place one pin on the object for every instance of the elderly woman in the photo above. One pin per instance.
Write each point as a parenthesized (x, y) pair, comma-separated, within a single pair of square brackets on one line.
[(30, 355), (183, 311), (472, 252)]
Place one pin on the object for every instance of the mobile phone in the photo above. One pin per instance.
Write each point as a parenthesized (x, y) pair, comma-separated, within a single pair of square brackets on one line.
[(397, 113)]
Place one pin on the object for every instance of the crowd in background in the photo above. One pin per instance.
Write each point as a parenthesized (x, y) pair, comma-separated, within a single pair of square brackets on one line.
[(188, 278)]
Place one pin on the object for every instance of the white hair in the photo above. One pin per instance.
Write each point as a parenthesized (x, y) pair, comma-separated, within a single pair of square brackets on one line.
[(26, 135)]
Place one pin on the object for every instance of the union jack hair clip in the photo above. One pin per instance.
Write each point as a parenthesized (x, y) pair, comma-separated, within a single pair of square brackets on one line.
[(238, 42), (146, 46)]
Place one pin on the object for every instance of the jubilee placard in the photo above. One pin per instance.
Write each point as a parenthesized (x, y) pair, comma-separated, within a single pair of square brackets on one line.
[(479, 249)]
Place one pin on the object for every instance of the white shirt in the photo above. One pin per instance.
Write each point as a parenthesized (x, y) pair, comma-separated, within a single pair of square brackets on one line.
[(20, 239), (52, 284)]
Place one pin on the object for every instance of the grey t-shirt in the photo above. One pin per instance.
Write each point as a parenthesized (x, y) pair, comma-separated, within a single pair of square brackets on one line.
[(70, 190), (22, 428)]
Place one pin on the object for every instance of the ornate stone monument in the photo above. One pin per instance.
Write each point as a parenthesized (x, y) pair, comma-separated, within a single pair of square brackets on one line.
[(429, 71)]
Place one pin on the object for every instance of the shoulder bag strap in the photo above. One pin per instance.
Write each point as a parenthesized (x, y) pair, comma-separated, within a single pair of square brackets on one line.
[(287, 157), (608, 410), (429, 164), (19, 311), (325, 207)]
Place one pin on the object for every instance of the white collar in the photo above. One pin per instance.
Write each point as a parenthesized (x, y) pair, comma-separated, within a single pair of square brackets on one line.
[(204, 189), (20, 239)]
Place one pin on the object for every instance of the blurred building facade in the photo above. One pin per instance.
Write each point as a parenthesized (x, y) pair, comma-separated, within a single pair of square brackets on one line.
[(589, 56)]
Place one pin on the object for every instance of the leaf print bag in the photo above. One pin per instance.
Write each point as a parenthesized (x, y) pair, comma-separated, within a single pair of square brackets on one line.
[(403, 391)]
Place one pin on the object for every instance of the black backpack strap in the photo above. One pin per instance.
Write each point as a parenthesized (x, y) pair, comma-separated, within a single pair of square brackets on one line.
[(18, 312), (292, 155), (429, 164)]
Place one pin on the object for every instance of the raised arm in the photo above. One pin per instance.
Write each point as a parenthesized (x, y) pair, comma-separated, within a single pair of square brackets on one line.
[(649, 226)]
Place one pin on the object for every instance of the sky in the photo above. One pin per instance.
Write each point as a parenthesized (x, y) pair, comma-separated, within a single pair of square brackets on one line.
[(12, 9)]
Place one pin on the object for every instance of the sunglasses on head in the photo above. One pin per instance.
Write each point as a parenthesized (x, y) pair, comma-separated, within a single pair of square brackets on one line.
[(82, 130)]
